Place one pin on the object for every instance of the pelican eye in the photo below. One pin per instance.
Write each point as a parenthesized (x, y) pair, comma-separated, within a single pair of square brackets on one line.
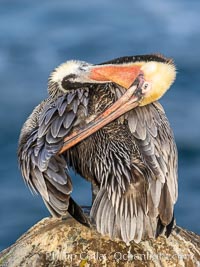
[(146, 86)]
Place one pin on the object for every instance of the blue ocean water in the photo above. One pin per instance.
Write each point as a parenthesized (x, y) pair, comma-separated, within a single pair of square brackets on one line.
[(36, 36)]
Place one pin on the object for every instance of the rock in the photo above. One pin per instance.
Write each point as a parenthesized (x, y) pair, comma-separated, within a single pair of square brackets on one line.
[(56, 243)]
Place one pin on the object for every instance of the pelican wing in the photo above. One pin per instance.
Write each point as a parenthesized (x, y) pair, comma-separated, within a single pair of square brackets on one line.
[(155, 140), (41, 138)]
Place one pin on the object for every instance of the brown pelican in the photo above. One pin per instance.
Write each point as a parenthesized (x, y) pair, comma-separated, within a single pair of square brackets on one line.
[(104, 121)]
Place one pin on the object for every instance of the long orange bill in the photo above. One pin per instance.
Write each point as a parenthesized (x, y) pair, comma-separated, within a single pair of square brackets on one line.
[(127, 102)]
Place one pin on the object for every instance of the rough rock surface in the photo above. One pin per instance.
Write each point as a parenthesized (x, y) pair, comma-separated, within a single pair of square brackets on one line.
[(56, 243)]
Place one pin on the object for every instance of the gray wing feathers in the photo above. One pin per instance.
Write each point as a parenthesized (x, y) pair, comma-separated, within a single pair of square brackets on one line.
[(155, 140), (41, 138), (68, 119)]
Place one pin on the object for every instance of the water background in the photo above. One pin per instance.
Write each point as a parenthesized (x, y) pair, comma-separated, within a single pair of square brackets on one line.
[(36, 36)]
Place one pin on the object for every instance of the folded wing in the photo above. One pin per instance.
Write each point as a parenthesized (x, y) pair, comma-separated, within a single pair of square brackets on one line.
[(44, 171)]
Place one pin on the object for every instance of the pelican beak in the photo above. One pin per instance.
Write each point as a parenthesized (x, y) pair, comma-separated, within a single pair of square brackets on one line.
[(122, 75), (145, 80)]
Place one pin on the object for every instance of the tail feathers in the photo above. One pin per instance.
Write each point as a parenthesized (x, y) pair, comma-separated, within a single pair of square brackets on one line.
[(77, 213), (160, 228), (165, 229), (170, 227), (124, 226)]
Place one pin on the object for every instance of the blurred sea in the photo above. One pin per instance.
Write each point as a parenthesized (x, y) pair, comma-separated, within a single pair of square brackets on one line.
[(36, 36)]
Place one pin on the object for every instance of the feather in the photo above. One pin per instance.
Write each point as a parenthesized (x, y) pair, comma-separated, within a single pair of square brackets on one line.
[(58, 205), (139, 226), (111, 220), (80, 93), (69, 117), (104, 217), (99, 213), (42, 130), (165, 206), (53, 165), (39, 182), (75, 104), (85, 101), (63, 189), (58, 177), (64, 132), (70, 97), (49, 115), (56, 125), (62, 108), (123, 230), (155, 189)]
